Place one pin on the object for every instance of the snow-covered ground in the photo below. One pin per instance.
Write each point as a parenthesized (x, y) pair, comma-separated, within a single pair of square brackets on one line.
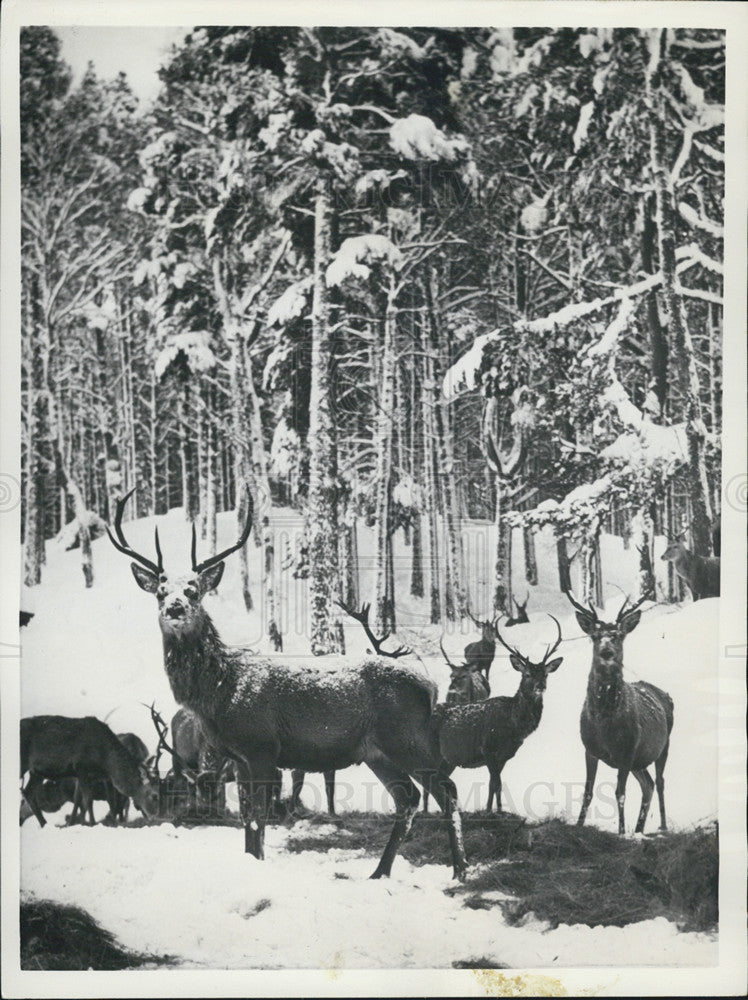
[(193, 893)]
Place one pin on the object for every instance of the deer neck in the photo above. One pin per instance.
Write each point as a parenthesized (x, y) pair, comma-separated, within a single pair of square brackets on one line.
[(683, 563), (527, 706), (605, 686), (196, 663)]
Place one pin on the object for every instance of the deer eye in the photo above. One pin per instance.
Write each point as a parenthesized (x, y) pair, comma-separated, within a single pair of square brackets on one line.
[(190, 592)]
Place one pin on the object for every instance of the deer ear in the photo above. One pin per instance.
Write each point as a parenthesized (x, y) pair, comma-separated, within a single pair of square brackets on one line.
[(554, 665), (517, 663), (144, 578), (630, 622), (586, 622), (211, 577)]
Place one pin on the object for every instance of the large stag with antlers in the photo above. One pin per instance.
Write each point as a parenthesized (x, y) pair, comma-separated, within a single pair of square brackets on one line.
[(626, 726), (267, 715), (490, 733)]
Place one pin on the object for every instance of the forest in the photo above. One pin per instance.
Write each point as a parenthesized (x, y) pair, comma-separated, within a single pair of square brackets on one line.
[(407, 278)]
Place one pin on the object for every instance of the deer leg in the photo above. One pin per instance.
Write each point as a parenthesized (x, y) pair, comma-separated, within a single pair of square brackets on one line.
[(297, 783), (621, 798), (406, 797), (330, 791), (660, 783), (260, 776), (445, 792), (76, 816), (495, 767), (29, 793), (645, 780), (591, 765)]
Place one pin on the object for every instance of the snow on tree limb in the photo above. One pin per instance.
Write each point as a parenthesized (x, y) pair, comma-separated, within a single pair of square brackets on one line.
[(291, 304), (693, 218), (609, 341), (417, 138), (356, 253)]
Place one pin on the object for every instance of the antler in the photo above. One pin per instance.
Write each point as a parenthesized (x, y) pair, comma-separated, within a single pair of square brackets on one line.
[(512, 650), (473, 619), (452, 666), (120, 542), (161, 729), (362, 617), (220, 556), (624, 614), (589, 610), (552, 649)]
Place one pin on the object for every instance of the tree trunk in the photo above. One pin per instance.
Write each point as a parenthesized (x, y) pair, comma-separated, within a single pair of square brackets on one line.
[(430, 485), (384, 597), (531, 563), (502, 600), (682, 344), (454, 589), (322, 526), (657, 335), (416, 555), (271, 620), (241, 519), (564, 570)]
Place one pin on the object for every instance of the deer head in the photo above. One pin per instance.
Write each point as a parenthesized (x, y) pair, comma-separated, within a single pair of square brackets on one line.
[(607, 637), (179, 597), (521, 617), (675, 549), (486, 627), (534, 675)]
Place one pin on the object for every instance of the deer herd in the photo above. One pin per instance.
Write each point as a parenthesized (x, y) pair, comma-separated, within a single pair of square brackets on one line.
[(249, 716)]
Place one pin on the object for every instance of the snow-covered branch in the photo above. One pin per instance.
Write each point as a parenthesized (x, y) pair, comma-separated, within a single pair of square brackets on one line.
[(693, 218)]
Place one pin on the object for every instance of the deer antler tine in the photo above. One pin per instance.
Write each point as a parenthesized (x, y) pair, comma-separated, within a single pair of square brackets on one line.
[(552, 649), (220, 556), (120, 542), (158, 551), (512, 650), (620, 614), (577, 605), (194, 547)]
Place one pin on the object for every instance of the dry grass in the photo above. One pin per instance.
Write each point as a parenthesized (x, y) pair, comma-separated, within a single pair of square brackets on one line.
[(67, 938), (561, 873)]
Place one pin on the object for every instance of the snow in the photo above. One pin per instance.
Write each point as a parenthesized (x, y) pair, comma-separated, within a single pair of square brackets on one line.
[(580, 133), (350, 261), (417, 138), (291, 304), (462, 376), (395, 43), (98, 651), (200, 358), (301, 910)]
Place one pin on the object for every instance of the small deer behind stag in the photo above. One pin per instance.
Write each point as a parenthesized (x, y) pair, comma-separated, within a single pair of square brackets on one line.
[(490, 732), (521, 617), (626, 726), (266, 715), (701, 573), (54, 746)]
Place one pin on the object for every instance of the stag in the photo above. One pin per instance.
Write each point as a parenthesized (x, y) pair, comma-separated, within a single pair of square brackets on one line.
[(479, 655), (297, 775), (490, 733), (266, 715), (53, 746), (521, 617), (626, 726), (701, 573)]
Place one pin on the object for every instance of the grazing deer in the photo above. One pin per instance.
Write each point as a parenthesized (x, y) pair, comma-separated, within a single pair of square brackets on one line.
[(521, 616), (51, 796), (490, 733), (266, 715), (53, 746), (627, 726), (701, 573), (103, 789)]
